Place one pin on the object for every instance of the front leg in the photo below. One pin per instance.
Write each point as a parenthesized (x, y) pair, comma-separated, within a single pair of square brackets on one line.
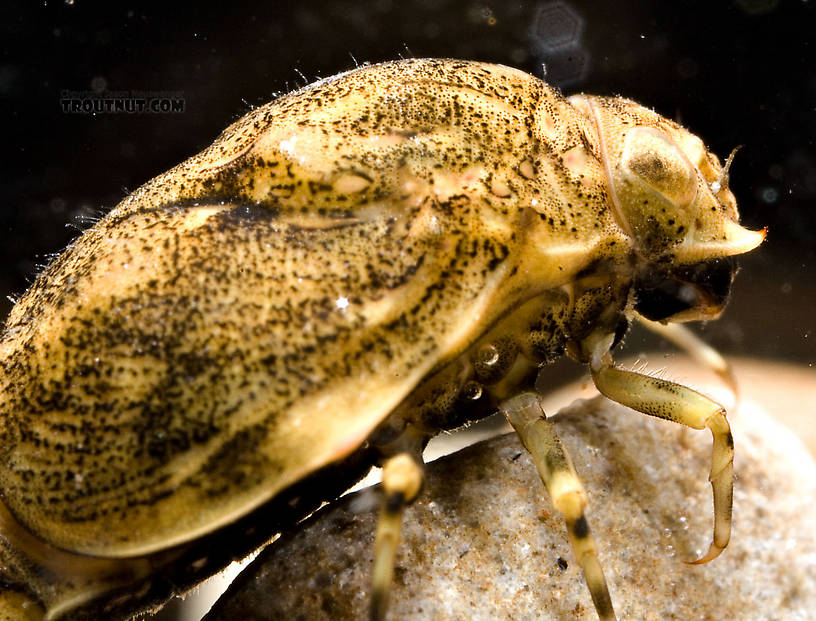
[(695, 347), (670, 401)]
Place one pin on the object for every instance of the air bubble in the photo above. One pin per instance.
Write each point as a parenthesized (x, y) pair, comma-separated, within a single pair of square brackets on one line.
[(472, 391), (489, 355)]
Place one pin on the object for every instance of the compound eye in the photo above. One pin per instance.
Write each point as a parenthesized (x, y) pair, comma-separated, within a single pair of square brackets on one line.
[(650, 157)]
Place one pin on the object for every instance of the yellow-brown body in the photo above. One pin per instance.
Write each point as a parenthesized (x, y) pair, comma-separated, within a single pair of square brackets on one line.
[(370, 252)]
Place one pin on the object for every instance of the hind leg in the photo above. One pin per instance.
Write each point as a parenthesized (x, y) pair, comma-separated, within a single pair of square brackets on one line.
[(402, 479)]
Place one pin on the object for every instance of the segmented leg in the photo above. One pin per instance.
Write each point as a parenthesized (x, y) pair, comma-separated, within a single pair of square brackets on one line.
[(525, 414), (402, 479), (664, 399), (701, 351)]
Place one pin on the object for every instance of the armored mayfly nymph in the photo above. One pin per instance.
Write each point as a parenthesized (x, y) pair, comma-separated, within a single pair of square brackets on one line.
[(345, 272)]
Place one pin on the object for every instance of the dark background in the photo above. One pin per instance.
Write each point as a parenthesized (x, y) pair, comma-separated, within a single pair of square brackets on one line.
[(735, 72)]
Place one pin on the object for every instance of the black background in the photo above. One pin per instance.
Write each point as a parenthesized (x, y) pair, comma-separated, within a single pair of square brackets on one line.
[(735, 72)]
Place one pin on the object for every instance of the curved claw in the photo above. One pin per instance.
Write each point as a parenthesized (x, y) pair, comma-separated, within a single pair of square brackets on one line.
[(713, 552), (722, 519), (722, 483)]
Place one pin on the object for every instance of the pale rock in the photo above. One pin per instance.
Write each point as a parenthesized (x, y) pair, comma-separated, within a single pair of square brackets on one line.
[(483, 540)]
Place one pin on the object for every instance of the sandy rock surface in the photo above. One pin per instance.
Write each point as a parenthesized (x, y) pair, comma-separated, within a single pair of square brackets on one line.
[(483, 541)]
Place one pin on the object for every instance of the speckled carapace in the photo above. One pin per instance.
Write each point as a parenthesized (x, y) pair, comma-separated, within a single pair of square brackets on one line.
[(375, 251)]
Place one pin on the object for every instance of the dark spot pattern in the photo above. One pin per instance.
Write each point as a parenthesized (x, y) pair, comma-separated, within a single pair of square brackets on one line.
[(252, 314)]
